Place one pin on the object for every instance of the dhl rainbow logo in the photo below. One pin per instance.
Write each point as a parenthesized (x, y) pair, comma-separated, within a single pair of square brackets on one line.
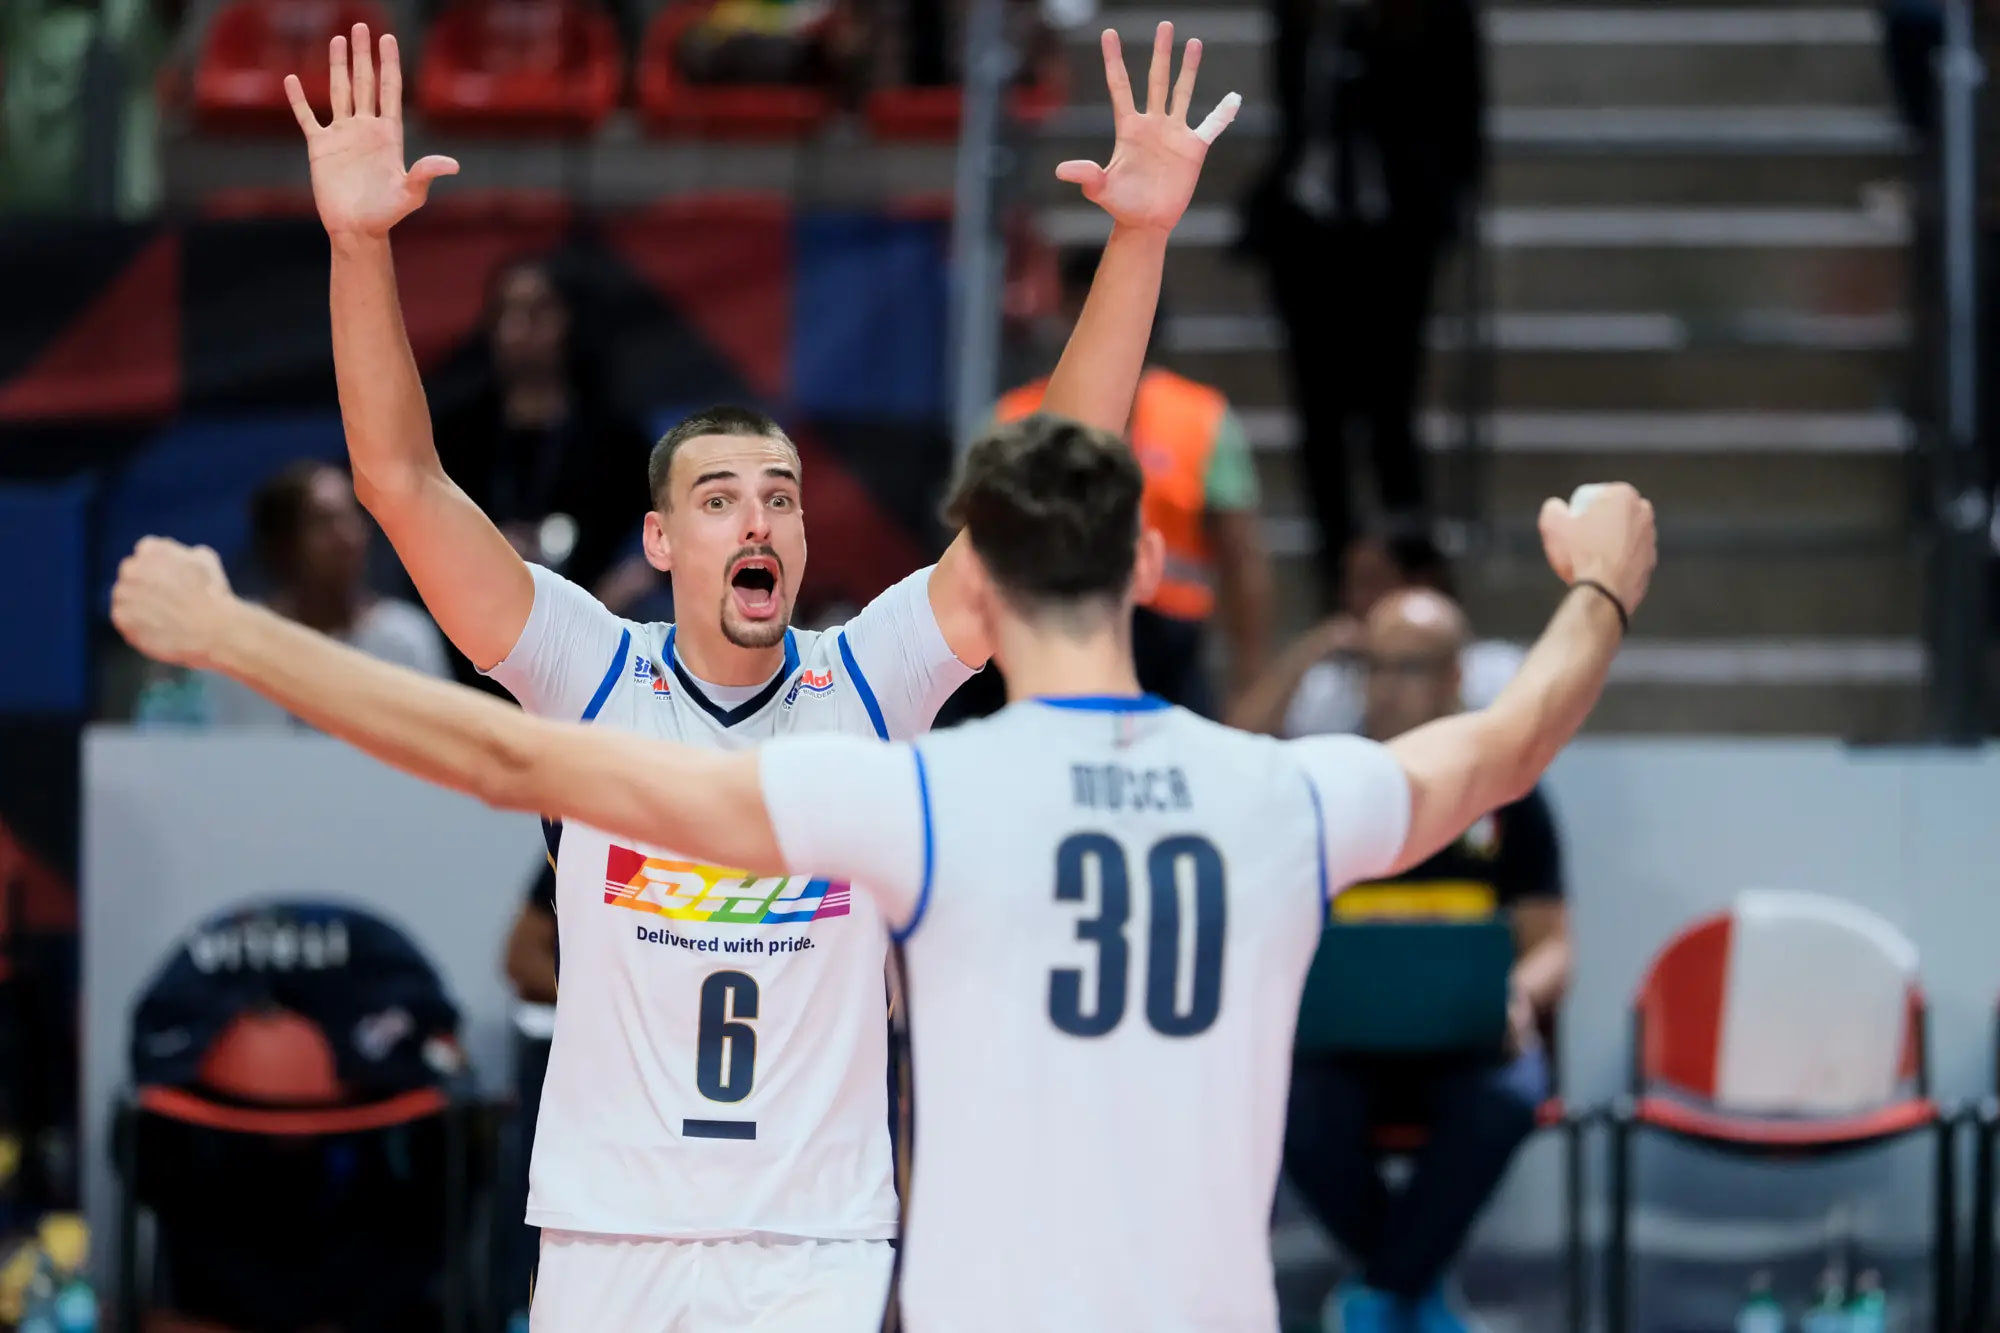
[(686, 891)]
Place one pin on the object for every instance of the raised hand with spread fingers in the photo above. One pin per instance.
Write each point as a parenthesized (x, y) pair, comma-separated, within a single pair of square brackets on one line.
[(1155, 157), (359, 182)]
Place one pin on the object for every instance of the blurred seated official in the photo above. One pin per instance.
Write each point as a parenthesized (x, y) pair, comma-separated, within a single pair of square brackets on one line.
[(1475, 1109), (311, 540), (1316, 687), (533, 438), (1202, 495)]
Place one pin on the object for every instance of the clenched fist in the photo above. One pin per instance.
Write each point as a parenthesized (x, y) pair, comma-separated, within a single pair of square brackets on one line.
[(171, 602), (1610, 540)]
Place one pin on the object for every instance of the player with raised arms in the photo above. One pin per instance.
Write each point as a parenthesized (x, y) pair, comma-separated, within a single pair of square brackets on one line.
[(712, 1150), (1106, 905)]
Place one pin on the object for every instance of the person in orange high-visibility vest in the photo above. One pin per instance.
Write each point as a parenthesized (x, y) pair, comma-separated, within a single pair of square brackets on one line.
[(1201, 493)]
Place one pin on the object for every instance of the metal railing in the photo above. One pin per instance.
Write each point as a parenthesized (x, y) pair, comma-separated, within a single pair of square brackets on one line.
[(986, 161), (1959, 508)]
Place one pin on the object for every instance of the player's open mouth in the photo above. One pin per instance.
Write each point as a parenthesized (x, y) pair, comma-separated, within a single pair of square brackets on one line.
[(754, 585)]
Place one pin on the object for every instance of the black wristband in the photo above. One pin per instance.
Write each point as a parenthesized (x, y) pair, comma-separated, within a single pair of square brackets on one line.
[(1624, 616)]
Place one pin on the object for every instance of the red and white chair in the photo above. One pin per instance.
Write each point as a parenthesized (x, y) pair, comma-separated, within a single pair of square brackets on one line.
[(1790, 1027)]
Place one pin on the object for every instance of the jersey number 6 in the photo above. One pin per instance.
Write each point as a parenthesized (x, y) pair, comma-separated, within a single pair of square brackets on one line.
[(725, 1063), (1165, 865)]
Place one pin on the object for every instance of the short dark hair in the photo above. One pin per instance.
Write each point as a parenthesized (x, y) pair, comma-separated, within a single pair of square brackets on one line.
[(725, 419), (1052, 508), (278, 515)]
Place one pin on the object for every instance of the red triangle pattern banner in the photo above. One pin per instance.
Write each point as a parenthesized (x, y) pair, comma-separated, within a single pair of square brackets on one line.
[(120, 358), (725, 265)]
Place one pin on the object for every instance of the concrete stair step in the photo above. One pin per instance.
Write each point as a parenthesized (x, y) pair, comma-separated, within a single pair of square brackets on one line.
[(1815, 594), (1849, 260), (1859, 496), (1623, 128), (1573, 57), (1837, 180), (1697, 594), (1734, 379), (1823, 179)]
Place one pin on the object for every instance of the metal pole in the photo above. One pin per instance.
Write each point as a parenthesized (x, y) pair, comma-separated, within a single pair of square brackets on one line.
[(1958, 665), (978, 253)]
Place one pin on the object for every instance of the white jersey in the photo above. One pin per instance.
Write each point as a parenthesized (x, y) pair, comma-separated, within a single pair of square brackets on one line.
[(1107, 908), (719, 1066)]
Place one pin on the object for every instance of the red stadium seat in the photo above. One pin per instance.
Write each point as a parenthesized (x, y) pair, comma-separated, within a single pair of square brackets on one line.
[(932, 115), (673, 107), (251, 45), (521, 66), (1678, 1020)]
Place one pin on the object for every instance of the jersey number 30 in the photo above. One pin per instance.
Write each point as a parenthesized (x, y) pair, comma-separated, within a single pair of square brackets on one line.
[(1169, 860)]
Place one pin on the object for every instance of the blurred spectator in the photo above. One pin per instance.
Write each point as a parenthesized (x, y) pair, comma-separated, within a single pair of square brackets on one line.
[(1476, 1109), (311, 540), (1202, 495), (1379, 156), (531, 945), (538, 447), (1318, 685)]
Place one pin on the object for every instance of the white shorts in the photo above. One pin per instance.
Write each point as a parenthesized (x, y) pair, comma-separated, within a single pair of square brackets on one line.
[(588, 1283)]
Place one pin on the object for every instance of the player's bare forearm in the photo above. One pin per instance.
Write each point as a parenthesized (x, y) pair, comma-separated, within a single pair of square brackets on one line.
[(1542, 973), (1464, 766), (382, 402), (1098, 376), (472, 580), (699, 802)]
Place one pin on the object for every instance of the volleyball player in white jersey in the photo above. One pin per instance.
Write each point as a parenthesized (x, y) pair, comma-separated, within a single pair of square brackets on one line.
[(712, 1149), (1106, 905)]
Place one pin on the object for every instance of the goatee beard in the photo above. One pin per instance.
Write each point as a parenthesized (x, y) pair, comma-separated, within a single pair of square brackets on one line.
[(757, 634)]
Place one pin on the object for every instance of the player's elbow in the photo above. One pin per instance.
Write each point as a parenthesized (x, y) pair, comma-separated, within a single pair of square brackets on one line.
[(388, 490), (512, 764)]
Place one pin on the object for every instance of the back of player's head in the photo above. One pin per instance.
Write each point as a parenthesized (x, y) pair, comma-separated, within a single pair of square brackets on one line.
[(725, 420), (1052, 509)]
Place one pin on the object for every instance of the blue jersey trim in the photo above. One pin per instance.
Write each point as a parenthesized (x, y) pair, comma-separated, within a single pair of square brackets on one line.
[(552, 828), (750, 707), (610, 676), (930, 853), (1319, 847), (861, 688), (1105, 703)]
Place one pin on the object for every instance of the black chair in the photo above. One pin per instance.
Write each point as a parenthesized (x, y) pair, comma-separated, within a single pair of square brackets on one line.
[(218, 1166)]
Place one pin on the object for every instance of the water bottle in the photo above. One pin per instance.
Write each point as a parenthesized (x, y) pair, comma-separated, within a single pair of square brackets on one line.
[(1868, 1311), (38, 1302), (172, 699), (1760, 1312), (1829, 1308)]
